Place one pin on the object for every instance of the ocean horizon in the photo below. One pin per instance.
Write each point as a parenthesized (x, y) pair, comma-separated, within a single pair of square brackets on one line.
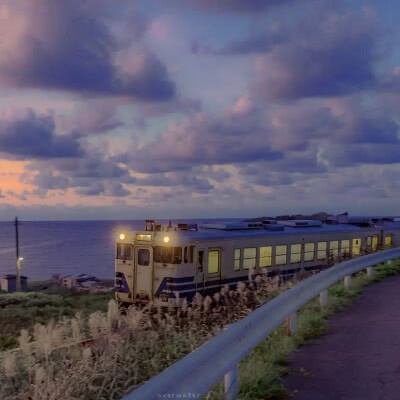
[(66, 247)]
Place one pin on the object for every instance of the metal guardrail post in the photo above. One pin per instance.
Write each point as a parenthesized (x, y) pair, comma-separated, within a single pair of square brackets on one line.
[(291, 324), (347, 281), (231, 384), (323, 298), (370, 272)]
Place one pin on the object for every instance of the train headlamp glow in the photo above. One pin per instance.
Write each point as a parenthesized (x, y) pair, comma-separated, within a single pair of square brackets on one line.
[(166, 239), (122, 236)]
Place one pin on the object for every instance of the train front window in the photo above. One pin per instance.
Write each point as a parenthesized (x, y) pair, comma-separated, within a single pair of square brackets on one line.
[(124, 251), (168, 255)]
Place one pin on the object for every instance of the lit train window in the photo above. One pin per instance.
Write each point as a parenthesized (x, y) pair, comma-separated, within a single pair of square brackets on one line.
[(124, 251), (334, 248), (356, 246), (249, 257), (281, 255), (236, 265), (345, 247), (295, 253), (388, 241), (374, 243), (309, 249), (266, 256), (213, 261), (321, 250)]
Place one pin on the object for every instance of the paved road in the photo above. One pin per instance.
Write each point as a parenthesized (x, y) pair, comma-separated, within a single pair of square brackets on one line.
[(359, 359)]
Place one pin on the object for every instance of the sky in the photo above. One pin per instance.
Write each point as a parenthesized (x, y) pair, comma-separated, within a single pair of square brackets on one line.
[(198, 108)]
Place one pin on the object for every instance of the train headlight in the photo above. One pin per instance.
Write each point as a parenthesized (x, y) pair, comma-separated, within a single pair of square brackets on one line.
[(122, 236), (166, 239)]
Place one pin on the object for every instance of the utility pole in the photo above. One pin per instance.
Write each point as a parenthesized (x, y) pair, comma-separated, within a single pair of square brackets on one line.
[(18, 259)]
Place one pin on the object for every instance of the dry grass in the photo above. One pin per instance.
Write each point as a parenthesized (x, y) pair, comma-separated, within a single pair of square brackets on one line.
[(104, 355)]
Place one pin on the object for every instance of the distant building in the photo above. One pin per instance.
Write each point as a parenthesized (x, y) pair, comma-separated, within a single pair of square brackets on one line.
[(9, 283)]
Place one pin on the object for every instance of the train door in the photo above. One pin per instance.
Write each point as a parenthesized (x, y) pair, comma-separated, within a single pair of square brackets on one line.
[(213, 267), (144, 272)]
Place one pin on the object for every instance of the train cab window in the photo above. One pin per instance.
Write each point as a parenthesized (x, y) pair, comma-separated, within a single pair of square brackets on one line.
[(237, 260), (185, 255), (309, 249), (356, 247), (295, 253), (374, 243), (168, 255), (213, 261), (249, 257), (266, 256), (345, 247), (388, 241), (281, 255), (334, 248), (321, 250), (124, 251), (143, 257)]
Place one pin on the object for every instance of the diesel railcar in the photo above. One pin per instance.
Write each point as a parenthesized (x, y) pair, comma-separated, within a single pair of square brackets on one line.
[(167, 264)]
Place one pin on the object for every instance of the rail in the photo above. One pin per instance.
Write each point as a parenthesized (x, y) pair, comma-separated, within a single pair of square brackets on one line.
[(195, 374)]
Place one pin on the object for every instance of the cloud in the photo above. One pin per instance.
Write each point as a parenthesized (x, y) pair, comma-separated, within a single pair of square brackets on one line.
[(67, 46), (26, 134), (327, 53), (235, 6)]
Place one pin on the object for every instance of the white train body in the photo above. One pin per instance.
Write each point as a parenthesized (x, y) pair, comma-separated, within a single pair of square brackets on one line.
[(166, 265)]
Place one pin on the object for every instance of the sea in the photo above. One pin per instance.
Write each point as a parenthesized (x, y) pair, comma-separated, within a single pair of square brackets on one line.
[(61, 248)]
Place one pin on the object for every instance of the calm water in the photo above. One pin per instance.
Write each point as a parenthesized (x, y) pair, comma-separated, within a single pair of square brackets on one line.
[(63, 247)]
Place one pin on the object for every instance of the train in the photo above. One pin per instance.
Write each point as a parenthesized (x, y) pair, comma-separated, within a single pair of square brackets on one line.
[(167, 265)]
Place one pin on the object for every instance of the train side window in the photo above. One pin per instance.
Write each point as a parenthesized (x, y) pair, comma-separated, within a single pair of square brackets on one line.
[(191, 252), (334, 248), (281, 255), (369, 241), (309, 249), (213, 261), (345, 247), (266, 256), (356, 246), (321, 250), (295, 253), (185, 255), (388, 241), (237, 254), (249, 257), (374, 243), (201, 258)]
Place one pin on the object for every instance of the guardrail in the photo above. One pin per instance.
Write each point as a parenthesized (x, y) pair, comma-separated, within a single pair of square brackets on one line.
[(195, 374)]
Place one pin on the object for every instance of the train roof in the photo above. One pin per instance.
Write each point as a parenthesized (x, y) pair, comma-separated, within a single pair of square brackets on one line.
[(280, 228)]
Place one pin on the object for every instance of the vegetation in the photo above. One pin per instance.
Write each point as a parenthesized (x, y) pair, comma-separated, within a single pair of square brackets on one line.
[(103, 355), (24, 310)]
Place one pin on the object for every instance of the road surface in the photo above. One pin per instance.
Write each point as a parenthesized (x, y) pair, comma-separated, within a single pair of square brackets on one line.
[(359, 358)]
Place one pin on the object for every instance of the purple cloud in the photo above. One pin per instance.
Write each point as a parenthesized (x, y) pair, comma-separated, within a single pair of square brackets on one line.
[(67, 46), (34, 136), (326, 54)]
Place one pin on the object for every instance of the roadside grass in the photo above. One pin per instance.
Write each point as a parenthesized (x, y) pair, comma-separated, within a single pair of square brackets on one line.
[(262, 372), (104, 355), (25, 309)]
